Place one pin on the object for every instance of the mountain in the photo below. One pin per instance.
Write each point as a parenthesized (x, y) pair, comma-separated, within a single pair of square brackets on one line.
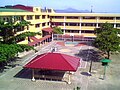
[(71, 10)]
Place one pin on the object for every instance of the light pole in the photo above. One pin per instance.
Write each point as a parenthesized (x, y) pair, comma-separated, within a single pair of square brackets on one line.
[(90, 67)]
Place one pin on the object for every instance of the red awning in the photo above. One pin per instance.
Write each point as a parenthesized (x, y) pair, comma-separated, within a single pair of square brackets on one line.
[(32, 43), (35, 39), (54, 61), (48, 30), (45, 37)]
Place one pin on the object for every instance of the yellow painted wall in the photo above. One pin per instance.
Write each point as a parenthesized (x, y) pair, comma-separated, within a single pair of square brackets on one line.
[(34, 21)]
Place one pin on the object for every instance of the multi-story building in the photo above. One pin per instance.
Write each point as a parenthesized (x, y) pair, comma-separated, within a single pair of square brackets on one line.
[(73, 24), (84, 23), (38, 17)]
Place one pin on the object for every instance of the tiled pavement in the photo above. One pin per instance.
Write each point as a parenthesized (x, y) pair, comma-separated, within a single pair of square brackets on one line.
[(9, 81)]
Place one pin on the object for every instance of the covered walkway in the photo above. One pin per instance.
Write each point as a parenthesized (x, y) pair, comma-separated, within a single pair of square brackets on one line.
[(41, 41)]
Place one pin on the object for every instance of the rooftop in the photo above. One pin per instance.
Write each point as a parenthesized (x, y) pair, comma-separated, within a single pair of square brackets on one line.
[(11, 10)]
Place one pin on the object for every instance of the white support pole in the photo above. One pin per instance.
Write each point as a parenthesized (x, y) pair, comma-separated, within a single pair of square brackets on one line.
[(52, 36), (69, 78), (97, 19), (33, 78), (115, 22)]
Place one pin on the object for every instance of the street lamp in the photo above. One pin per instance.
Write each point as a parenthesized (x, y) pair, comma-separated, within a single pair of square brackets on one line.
[(90, 69), (105, 64)]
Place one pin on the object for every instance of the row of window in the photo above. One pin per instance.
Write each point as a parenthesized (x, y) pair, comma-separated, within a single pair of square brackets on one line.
[(78, 24), (85, 17), (77, 31), (43, 24), (30, 17), (11, 18)]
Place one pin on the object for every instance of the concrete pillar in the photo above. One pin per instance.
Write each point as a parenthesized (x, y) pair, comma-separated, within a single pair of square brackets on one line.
[(64, 31), (69, 78), (80, 25), (64, 25), (52, 36), (115, 22), (33, 78), (79, 32), (97, 19)]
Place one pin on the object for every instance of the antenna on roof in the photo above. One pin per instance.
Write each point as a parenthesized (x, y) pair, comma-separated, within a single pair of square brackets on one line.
[(91, 9)]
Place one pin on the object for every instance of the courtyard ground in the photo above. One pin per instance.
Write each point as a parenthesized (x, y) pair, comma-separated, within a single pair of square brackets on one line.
[(10, 81)]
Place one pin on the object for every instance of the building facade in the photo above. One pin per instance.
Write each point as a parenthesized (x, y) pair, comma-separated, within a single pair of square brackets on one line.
[(80, 24)]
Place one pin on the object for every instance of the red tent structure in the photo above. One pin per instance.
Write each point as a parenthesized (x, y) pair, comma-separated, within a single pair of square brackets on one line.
[(54, 61)]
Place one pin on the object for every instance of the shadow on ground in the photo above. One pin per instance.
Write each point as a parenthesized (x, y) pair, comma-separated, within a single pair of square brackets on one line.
[(24, 73), (41, 74), (89, 54), (85, 74)]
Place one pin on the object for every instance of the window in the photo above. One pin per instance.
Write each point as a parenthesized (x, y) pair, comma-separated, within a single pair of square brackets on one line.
[(117, 25), (37, 9), (58, 17), (48, 23), (99, 24), (48, 16), (72, 17), (37, 25), (89, 17), (27, 27), (58, 23), (88, 24), (107, 18), (19, 29), (43, 16), (29, 17), (72, 31), (49, 10), (67, 31), (72, 24), (37, 17), (117, 18), (87, 31), (43, 24)]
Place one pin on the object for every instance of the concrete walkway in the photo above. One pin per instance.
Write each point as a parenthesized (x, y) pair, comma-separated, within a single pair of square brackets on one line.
[(9, 80)]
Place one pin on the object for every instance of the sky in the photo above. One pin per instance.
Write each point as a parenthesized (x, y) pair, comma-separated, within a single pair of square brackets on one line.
[(97, 5)]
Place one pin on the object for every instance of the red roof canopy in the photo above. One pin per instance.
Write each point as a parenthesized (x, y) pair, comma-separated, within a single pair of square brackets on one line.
[(32, 43), (36, 40), (48, 30), (54, 61)]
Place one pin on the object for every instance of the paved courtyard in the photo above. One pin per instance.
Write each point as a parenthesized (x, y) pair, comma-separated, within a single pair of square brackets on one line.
[(10, 81)]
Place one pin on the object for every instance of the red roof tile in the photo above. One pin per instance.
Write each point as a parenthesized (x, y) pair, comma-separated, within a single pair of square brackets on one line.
[(54, 61), (48, 30)]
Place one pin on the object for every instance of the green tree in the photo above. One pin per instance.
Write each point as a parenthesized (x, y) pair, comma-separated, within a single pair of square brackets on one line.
[(8, 51), (24, 35), (57, 30), (9, 29), (6, 30), (107, 39), (9, 47)]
